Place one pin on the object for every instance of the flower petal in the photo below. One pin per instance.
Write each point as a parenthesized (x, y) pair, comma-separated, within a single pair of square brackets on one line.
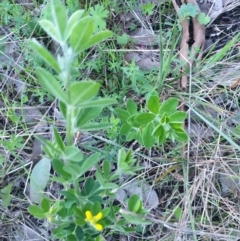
[(89, 216), (98, 217), (98, 227)]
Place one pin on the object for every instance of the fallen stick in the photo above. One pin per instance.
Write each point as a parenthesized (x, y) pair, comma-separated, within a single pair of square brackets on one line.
[(195, 50)]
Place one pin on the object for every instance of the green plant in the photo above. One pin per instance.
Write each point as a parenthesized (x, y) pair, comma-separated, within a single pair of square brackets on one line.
[(153, 124), (147, 8), (16, 15), (98, 13), (135, 75), (189, 10), (81, 212)]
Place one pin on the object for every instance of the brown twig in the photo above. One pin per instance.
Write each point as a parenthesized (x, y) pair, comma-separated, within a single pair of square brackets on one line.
[(196, 49)]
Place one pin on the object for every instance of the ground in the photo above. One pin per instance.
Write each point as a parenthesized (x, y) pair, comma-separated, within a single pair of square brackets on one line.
[(190, 196)]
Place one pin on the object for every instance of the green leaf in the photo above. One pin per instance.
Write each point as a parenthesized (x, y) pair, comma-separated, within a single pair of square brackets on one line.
[(45, 205), (187, 10), (36, 211), (131, 136), (6, 197), (69, 194), (177, 117), (79, 213), (99, 13), (63, 108), (180, 135), (121, 156), (98, 102), (132, 122), (99, 178), (159, 132), (144, 118), (125, 129), (106, 168), (39, 179), (83, 91), (51, 84), (58, 139), (79, 233), (90, 187), (58, 168), (131, 107), (88, 114), (168, 106), (147, 136), (176, 125), (122, 39), (72, 22), (178, 213), (81, 34), (44, 54), (96, 208), (72, 153), (122, 114), (134, 204), (50, 29), (97, 38), (48, 147), (59, 15), (162, 138), (153, 104), (71, 237), (89, 163), (96, 127), (203, 19), (73, 169), (105, 212)]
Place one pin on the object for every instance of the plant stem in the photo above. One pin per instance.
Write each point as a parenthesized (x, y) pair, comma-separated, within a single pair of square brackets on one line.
[(65, 76), (69, 127)]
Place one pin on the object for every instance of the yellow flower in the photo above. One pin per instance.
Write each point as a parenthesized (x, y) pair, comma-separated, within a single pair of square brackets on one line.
[(93, 220)]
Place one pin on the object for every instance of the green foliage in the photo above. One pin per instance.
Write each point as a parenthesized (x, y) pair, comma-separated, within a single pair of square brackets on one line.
[(136, 77), (203, 19), (80, 213), (156, 123), (134, 204), (14, 142), (189, 10), (123, 39), (147, 9), (5, 195), (99, 13), (178, 213), (39, 179)]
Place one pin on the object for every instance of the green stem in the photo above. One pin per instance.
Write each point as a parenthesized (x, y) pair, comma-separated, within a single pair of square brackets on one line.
[(69, 133), (65, 76), (68, 57)]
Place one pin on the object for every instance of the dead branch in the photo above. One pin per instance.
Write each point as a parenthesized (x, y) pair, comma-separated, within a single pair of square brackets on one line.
[(199, 39)]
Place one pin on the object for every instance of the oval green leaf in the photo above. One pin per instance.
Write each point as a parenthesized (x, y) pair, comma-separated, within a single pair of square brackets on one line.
[(153, 104), (144, 118), (39, 179), (83, 91), (168, 106), (51, 84), (147, 136), (44, 54)]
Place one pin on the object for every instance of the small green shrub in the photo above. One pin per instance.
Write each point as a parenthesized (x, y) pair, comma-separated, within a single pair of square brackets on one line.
[(86, 205)]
